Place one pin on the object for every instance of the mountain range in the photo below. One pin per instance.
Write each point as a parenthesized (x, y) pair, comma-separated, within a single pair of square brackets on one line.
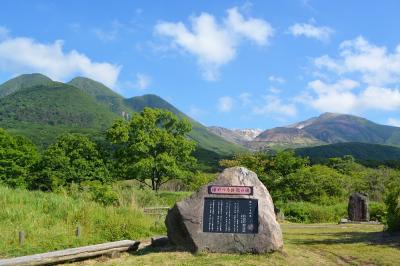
[(327, 128), (35, 106), (41, 109)]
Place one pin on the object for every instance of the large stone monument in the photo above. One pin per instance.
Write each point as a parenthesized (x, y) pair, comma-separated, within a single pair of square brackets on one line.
[(358, 207), (235, 213)]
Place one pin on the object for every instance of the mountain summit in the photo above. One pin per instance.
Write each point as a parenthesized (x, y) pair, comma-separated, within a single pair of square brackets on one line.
[(22, 82), (329, 128), (41, 109)]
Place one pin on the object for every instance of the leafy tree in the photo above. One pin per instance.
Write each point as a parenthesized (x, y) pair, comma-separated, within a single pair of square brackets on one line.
[(269, 168), (152, 146), (256, 162), (17, 157), (286, 162), (72, 159), (393, 209), (316, 184)]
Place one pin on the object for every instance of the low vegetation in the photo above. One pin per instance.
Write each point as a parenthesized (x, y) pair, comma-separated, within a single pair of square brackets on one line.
[(49, 221), (104, 185), (319, 244), (393, 211)]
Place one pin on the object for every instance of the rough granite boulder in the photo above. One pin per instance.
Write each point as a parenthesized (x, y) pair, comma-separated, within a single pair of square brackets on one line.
[(184, 221), (358, 207)]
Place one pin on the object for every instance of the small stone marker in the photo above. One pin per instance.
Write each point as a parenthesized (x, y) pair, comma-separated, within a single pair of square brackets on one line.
[(358, 207), (233, 214), (21, 237)]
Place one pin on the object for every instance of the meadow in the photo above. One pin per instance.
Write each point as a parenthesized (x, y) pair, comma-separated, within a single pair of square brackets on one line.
[(312, 244), (50, 221)]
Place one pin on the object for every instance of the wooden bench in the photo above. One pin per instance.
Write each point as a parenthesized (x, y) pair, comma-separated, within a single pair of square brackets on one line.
[(73, 254)]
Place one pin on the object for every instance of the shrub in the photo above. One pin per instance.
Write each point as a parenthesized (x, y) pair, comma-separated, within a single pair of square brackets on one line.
[(102, 193), (199, 180), (306, 212), (312, 184), (377, 211), (17, 157), (393, 210)]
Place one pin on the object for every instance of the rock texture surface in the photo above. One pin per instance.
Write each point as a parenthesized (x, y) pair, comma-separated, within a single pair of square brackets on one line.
[(185, 228), (358, 207)]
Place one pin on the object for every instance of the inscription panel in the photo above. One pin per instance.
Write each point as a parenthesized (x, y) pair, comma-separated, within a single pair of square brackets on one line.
[(230, 215), (230, 190)]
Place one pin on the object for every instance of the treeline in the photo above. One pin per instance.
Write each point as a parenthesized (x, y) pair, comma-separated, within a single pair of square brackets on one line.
[(290, 178), (152, 148)]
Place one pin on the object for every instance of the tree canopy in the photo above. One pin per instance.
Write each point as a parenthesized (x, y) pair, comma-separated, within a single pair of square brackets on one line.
[(17, 157), (72, 159), (152, 146)]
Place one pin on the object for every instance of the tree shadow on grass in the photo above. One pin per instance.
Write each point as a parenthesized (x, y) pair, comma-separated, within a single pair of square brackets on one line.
[(149, 249), (371, 238)]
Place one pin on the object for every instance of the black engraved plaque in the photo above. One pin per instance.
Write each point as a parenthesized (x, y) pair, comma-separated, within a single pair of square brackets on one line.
[(230, 215)]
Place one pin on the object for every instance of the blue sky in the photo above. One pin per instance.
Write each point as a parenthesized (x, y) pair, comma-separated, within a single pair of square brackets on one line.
[(237, 64)]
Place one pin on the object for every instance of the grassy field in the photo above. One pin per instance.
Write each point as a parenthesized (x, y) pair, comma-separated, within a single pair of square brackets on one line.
[(50, 220), (316, 244)]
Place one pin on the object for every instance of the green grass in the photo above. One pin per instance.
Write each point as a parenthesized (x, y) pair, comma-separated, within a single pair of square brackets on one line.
[(50, 220), (321, 244), (129, 192), (306, 212)]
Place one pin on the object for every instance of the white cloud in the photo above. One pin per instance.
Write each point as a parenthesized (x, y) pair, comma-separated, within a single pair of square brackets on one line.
[(142, 81), (321, 33), (393, 122), (257, 30), (379, 98), (276, 79), (24, 55), (274, 105), (342, 97), (225, 104), (4, 32), (336, 97), (213, 43), (341, 86), (375, 65), (367, 79)]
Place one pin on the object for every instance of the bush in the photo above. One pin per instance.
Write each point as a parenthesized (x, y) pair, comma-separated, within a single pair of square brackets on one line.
[(17, 157), (306, 212), (393, 210), (317, 184), (199, 180), (377, 212), (102, 193)]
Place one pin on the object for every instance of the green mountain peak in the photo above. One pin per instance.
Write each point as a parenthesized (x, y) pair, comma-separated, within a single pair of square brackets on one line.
[(22, 82)]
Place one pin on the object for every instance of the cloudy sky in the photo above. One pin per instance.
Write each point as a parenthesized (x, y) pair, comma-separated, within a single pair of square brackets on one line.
[(237, 64)]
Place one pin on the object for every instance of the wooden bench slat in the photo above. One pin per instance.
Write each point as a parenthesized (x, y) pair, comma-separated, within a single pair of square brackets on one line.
[(72, 253)]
